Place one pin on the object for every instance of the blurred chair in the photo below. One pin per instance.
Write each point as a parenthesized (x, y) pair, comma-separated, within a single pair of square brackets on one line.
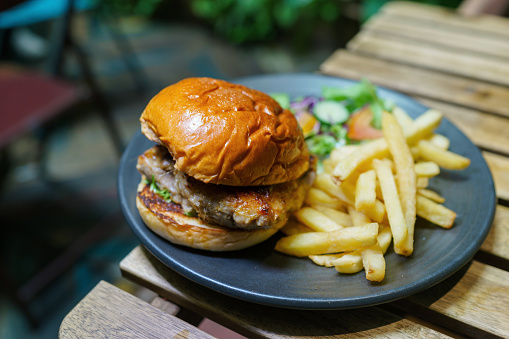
[(36, 102)]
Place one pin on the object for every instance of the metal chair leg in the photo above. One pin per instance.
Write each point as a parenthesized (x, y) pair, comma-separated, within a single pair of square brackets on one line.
[(8, 285), (99, 100)]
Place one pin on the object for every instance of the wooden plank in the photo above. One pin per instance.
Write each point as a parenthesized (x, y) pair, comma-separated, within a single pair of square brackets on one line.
[(432, 56), (499, 166), (498, 238), (258, 321), (490, 132), (165, 306), (408, 29), (445, 17), (407, 79), (480, 298), (108, 312)]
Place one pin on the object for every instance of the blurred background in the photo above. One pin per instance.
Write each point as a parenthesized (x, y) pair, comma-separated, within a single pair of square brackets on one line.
[(74, 79)]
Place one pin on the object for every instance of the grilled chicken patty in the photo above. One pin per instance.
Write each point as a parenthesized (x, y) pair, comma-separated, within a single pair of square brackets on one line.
[(245, 207)]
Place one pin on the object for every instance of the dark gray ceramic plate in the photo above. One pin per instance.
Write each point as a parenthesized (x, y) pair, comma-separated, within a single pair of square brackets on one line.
[(262, 275)]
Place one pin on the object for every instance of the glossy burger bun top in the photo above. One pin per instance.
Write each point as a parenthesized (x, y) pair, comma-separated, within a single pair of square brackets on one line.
[(227, 134)]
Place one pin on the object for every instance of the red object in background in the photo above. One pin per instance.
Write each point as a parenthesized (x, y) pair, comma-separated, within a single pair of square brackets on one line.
[(359, 126), (28, 100)]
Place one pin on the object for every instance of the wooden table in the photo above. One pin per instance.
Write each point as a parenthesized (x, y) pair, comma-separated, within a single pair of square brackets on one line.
[(457, 65)]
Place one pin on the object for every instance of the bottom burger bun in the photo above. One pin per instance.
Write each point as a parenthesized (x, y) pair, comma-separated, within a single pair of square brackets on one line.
[(168, 221)]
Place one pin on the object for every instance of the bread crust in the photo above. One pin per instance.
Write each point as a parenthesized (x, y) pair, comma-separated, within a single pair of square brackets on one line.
[(228, 134), (167, 220)]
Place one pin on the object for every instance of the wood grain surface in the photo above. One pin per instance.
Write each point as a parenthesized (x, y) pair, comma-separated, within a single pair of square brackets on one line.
[(258, 321), (108, 312), (431, 56), (426, 32), (498, 238), (448, 19), (479, 299), (436, 85)]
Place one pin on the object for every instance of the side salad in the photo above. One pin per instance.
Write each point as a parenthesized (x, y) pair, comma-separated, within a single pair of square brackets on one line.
[(340, 116)]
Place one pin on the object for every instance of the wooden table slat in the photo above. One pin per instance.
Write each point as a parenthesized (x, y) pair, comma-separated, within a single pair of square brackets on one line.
[(499, 166), (108, 312), (410, 30), (253, 320), (435, 57), (479, 299), (498, 238), (445, 17), (416, 81)]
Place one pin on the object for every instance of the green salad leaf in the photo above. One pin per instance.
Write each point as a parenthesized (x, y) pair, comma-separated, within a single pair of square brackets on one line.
[(283, 99), (163, 193), (321, 144), (358, 95)]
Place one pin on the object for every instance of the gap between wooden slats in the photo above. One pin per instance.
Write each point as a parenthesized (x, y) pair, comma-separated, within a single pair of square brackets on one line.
[(499, 166), (461, 91), (479, 299), (258, 321), (411, 30), (434, 57), (487, 24), (496, 242)]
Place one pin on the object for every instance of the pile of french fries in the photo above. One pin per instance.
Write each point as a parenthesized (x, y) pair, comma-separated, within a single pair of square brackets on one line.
[(368, 196)]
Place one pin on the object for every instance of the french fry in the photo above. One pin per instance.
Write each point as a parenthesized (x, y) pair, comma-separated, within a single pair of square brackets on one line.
[(348, 189), (349, 263), (442, 158), (423, 126), (369, 196), (327, 260), (365, 190), (422, 182), (294, 227), (346, 239), (432, 195), (392, 205), (340, 153), (415, 152), (319, 197), (378, 191), (328, 166), (384, 237), (340, 217), (324, 182), (373, 262), (406, 177), (316, 220), (365, 153), (427, 169), (358, 218), (404, 120), (377, 212), (440, 141), (436, 213)]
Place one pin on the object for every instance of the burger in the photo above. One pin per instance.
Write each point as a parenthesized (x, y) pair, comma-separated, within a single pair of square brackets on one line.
[(228, 168)]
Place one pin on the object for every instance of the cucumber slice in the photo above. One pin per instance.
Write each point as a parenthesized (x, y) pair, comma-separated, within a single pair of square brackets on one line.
[(331, 112)]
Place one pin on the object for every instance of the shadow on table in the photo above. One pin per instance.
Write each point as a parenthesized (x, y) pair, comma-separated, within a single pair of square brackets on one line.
[(254, 319)]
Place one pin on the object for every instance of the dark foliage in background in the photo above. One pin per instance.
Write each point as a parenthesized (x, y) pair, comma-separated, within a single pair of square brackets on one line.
[(262, 20), (258, 21)]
